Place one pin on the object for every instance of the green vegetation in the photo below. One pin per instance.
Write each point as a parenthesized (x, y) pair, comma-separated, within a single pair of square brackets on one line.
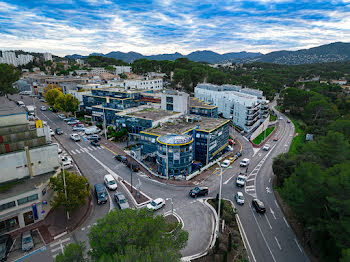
[(74, 252), (8, 75), (260, 138), (66, 103), (76, 187), (100, 61), (273, 118), (298, 140)]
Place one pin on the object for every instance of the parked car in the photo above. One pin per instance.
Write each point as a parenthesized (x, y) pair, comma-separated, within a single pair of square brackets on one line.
[(225, 163), (94, 143), (62, 116), (5, 245), (68, 119), (231, 159), (43, 108), (59, 131), (121, 158), (52, 133), (110, 182), (121, 201), (244, 162), (78, 128), (275, 138), (100, 193), (58, 147), (66, 159), (94, 137), (73, 122), (239, 198), (199, 191), (27, 241), (75, 137), (51, 108), (240, 181), (156, 204), (266, 147), (259, 206), (239, 154), (92, 130), (134, 167)]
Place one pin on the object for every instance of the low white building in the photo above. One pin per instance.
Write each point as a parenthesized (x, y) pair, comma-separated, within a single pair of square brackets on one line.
[(48, 56), (98, 71), (155, 84), (175, 101), (122, 69)]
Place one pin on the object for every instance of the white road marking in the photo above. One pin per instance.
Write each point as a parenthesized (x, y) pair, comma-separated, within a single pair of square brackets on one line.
[(90, 148), (285, 221), (77, 150), (73, 152), (276, 203), (270, 180), (252, 179), (272, 212), (250, 189), (296, 242), (278, 244), (228, 180), (60, 242), (268, 222)]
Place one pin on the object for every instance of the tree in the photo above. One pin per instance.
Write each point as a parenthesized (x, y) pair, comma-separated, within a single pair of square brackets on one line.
[(8, 75), (74, 252), (76, 188), (70, 103), (135, 235), (51, 96), (341, 126)]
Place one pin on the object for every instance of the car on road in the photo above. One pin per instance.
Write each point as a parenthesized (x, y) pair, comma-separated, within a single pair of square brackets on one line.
[(94, 137), (239, 198), (121, 201), (199, 191), (95, 143), (100, 193), (156, 204), (288, 121), (239, 154), (61, 116), (225, 163), (110, 182), (75, 137), (78, 128), (5, 246), (59, 131), (266, 147), (281, 118), (73, 122), (275, 138), (43, 108), (240, 181), (51, 108), (121, 158), (52, 133), (259, 206), (68, 119), (42, 100), (244, 162), (133, 166), (27, 241)]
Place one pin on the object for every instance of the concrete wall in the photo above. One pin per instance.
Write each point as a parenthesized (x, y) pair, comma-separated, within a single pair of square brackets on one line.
[(13, 119), (260, 129), (14, 165)]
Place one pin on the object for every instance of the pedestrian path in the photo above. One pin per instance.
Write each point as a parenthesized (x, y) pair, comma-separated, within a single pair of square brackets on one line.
[(85, 149), (58, 246)]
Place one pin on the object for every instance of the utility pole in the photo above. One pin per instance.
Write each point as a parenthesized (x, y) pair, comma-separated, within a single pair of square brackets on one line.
[(104, 121), (65, 188), (219, 206), (172, 209)]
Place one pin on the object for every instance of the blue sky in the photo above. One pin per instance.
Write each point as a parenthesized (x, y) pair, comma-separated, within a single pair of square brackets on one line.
[(167, 26)]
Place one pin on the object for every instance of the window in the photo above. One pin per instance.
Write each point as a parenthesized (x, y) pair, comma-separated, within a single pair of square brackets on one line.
[(182, 150), (7, 205), (27, 199)]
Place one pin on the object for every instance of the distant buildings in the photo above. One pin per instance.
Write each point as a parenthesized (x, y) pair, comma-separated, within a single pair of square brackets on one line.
[(11, 59), (146, 83), (122, 69), (47, 57)]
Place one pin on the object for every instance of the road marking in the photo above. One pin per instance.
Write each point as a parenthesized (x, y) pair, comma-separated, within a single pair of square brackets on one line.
[(296, 242), (278, 244), (272, 212), (252, 179), (228, 180), (90, 148), (270, 180), (276, 203), (285, 221), (77, 150), (250, 189), (268, 222), (268, 190)]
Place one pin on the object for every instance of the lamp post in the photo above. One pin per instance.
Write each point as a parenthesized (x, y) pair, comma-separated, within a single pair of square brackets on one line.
[(65, 188), (172, 209), (104, 121), (219, 206)]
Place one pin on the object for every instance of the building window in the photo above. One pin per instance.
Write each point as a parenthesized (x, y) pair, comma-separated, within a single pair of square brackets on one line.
[(27, 199), (7, 205)]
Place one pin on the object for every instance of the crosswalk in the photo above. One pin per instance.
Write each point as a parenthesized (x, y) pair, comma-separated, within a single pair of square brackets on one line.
[(58, 247), (85, 149)]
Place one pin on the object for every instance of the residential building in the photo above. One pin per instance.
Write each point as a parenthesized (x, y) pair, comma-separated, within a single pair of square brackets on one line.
[(80, 61), (27, 161), (122, 69), (172, 100), (10, 58), (154, 84), (247, 108), (98, 71), (47, 57)]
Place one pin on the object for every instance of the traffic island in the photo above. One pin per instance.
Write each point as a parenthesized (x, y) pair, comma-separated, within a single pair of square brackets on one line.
[(172, 221), (138, 197), (229, 245)]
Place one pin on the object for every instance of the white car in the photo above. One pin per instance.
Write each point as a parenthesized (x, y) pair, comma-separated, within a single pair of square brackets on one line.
[(52, 133), (110, 182), (75, 137), (281, 118), (62, 116), (156, 204), (43, 108), (240, 181), (58, 148), (239, 198), (244, 162), (225, 163), (266, 147), (66, 159)]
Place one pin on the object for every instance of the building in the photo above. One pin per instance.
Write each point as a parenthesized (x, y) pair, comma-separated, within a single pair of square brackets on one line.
[(122, 69), (80, 61), (202, 108), (27, 161), (154, 84), (172, 100), (47, 57), (247, 108), (209, 138), (98, 71), (11, 59)]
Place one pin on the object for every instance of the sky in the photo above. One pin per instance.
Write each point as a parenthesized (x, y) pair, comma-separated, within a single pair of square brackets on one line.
[(65, 27)]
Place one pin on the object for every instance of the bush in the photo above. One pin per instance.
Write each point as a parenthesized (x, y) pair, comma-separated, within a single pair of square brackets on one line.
[(217, 243)]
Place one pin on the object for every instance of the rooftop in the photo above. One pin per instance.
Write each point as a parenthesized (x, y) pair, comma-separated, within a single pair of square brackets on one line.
[(195, 102), (151, 113), (8, 107), (180, 126)]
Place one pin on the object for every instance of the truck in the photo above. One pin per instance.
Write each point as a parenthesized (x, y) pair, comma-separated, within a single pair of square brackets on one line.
[(30, 110)]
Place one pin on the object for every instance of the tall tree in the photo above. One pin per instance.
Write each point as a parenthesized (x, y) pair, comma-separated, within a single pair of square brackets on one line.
[(51, 96), (8, 75), (74, 252)]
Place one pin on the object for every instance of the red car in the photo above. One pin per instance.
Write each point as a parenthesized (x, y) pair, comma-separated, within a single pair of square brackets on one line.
[(275, 138)]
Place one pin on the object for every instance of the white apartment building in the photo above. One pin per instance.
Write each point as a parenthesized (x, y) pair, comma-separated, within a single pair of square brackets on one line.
[(175, 101), (48, 56), (122, 69), (246, 107), (155, 84), (98, 71), (11, 59)]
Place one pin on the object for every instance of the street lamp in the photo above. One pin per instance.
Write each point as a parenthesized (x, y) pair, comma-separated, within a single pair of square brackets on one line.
[(64, 185), (172, 209)]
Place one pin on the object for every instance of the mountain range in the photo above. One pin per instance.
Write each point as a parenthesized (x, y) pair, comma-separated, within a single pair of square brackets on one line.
[(333, 52)]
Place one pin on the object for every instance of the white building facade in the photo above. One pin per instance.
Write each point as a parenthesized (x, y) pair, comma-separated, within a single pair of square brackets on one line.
[(122, 69), (11, 59), (175, 101), (48, 56), (155, 84)]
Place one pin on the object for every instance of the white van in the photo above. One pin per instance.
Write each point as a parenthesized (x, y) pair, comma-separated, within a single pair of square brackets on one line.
[(21, 104), (110, 182), (92, 130), (244, 162)]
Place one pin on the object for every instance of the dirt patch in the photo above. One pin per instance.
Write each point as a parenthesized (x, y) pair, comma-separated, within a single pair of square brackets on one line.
[(139, 197), (229, 246), (172, 222)]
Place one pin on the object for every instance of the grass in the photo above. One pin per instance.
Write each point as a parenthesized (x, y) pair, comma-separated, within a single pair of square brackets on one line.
[(273, 118), (298, 140), (260, 138)]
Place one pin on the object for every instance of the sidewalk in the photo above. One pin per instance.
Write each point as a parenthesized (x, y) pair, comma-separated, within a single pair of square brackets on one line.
[(56, 223), (193, 182)]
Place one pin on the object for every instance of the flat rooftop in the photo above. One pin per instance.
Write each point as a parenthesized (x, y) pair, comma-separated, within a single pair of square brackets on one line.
[(8, 107), (195, 102), (151, 113), (181, 126)]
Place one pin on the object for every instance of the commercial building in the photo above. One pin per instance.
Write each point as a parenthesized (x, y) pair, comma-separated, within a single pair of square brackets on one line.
[(172, 100), (247, 108), (27, 161), (202, 108)]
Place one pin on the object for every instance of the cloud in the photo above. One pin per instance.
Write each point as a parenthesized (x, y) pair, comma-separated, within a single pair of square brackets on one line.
[(151, 27)]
